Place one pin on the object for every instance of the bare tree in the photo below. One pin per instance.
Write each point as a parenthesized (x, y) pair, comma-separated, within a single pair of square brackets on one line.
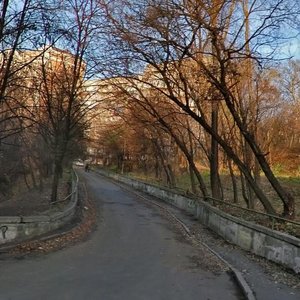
[(163, 34), (60, 100)]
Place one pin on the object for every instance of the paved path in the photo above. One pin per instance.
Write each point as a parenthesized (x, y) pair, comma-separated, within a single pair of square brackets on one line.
[(134, 254)]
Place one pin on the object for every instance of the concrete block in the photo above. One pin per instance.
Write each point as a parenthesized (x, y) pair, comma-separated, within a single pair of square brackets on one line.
[(213, 222), (8, 219), (296, 267), (259, 243), (231, 232), (9, 234), (35, 230), (245, 237), (191, 206), (274, 249), (222, 227), (199, 211), (35, 219), (180, 203)]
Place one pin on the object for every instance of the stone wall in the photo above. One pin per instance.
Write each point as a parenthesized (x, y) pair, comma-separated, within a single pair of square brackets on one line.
[(273, 245), (20, 228)]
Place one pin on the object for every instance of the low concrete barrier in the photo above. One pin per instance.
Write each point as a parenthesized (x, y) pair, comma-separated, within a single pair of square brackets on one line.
[(273, 245), (20, 228)]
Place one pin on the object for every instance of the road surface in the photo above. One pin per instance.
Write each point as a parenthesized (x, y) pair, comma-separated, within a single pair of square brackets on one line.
[(134, 254)]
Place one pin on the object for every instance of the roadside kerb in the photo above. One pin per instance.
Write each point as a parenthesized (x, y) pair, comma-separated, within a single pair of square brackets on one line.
[(20, 228), (273, 245)]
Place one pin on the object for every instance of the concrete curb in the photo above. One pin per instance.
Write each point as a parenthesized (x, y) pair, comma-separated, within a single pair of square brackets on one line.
[(242, 283), (45, 237), (7, 248), (17, 229), (273, 245), (248, 293)]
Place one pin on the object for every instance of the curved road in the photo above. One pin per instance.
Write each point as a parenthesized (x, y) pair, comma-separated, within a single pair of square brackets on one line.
[(134, 254)]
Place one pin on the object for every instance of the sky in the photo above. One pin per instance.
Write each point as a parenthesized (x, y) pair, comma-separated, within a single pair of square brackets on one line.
[(292, 48)]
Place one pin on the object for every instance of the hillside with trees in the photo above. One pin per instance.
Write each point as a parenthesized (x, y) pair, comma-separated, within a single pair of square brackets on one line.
[(200, 95)]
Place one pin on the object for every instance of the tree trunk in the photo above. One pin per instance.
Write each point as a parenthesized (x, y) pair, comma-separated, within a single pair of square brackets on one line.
[(157, 168), (234, 182), (286, 198), (256, 171), (244, 190), (170, 175), (57, 173), (41, 183), (248, 158), (182, 146), (199, 177), (26, 181), (191, 169), (192, 180), (55, 183), (166, 166), (231, 154), (214, 155), (55, 180)]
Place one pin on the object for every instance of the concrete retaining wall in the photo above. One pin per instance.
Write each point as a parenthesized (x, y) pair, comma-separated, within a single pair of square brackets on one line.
[(273, 245), (20, 228)]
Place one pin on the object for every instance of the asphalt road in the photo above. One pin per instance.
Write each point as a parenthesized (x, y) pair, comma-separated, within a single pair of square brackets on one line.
[(134, 254)]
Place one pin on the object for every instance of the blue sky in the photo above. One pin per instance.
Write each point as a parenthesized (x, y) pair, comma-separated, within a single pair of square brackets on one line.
[(292, 48)]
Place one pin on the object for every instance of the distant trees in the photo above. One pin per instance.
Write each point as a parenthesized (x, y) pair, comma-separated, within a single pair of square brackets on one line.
[(217, 44), (194, 82), (281, 120)]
